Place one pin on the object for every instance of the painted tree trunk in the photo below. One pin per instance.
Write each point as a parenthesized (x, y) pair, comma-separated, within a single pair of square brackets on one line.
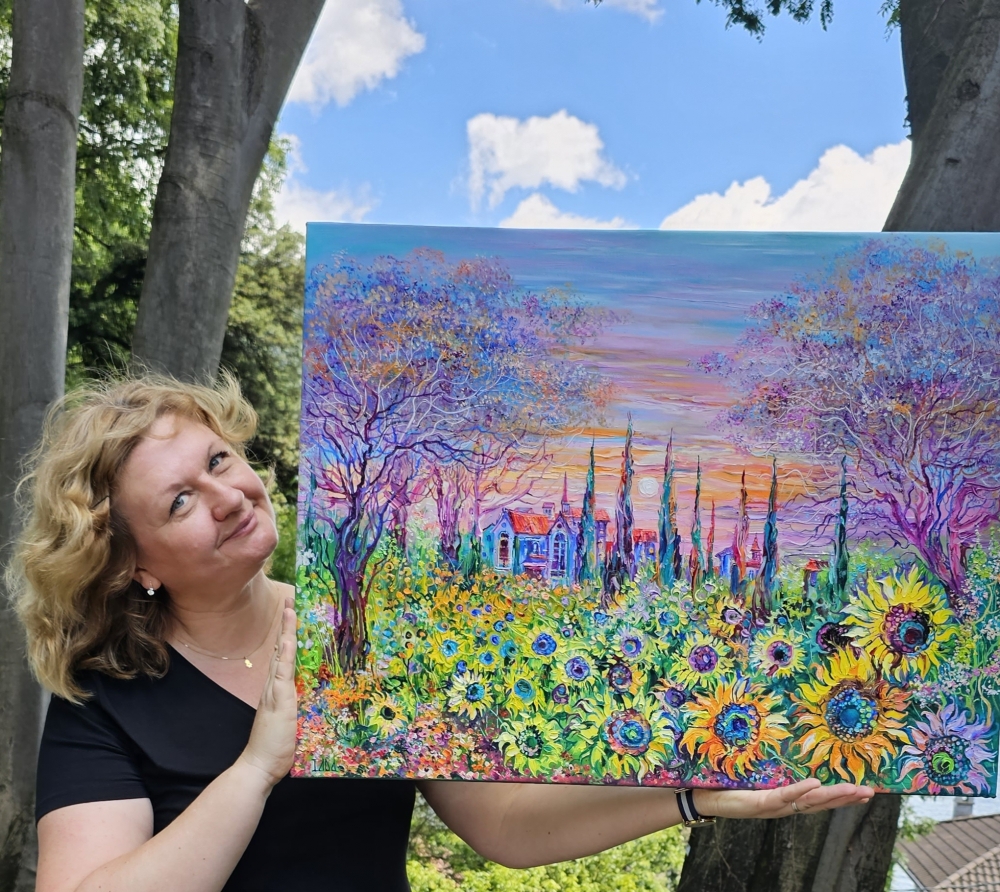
[(37, 194), (235, 62), (349, 568)]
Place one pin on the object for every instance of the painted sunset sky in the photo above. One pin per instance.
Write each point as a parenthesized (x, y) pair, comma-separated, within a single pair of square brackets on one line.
[(677, 296)]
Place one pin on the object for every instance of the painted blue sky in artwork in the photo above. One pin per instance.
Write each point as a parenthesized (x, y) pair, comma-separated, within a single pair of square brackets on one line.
[(681, 104), (680, 296)]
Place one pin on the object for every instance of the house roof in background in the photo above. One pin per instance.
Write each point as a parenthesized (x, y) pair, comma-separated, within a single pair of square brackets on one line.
[(960, 855)]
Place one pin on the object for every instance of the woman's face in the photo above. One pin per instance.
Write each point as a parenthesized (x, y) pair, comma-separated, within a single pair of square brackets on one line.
[(198, 513)]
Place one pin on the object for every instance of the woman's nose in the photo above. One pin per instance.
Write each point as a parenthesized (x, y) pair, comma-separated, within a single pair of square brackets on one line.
[(226, 500)]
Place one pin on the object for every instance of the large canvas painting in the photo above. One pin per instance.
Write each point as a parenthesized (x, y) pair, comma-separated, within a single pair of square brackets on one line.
[(675, 509)]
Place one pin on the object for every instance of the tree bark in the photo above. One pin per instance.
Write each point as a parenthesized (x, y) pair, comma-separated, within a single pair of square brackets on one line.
[(849, 850), (953, 181), (235, 62), (37, 193)]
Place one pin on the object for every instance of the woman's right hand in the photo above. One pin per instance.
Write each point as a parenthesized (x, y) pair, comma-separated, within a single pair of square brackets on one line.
[(271, 747)]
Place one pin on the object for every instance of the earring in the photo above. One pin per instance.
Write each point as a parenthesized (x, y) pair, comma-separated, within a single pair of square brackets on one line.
[(151, 592)]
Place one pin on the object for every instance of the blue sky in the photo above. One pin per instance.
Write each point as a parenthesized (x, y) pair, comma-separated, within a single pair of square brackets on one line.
[(619, 115)]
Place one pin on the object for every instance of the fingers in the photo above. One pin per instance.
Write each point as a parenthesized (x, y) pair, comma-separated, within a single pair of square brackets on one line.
[(284, 665), (811, 796)]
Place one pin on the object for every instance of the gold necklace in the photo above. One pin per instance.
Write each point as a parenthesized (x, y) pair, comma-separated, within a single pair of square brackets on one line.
[(245, 658)]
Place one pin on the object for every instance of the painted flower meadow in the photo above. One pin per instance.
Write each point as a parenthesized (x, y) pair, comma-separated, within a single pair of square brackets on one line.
[(637, 530)]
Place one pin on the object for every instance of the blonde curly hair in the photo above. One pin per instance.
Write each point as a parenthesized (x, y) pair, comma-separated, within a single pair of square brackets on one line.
[(71, 576)]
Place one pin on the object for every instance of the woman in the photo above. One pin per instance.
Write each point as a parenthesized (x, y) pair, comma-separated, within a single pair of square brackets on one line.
[(142, 585)]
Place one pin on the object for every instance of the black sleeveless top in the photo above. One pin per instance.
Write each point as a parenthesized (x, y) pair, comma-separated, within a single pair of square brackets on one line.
[(166, 739)]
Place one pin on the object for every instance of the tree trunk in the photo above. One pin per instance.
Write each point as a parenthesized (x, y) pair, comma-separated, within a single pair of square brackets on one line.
[(235, 62), (849, 850), (953, 181), (37, 192)]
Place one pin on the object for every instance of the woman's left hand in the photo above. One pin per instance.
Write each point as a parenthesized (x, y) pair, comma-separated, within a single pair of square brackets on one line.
[(804, 797)]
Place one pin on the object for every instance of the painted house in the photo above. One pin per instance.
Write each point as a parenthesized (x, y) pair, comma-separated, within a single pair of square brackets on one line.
[(543, 544), (753, 561), (645, 544)]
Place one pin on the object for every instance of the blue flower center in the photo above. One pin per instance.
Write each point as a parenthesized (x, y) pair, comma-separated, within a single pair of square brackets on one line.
[(524, 689), (851, 714), (577, 668), (737, 725), (475, 692), (544, 645), (620, 677), (628, 733), (631, 645), (780, 653), (560, 694)]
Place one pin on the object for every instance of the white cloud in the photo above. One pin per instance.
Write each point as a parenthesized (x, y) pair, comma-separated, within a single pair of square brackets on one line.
[(650, 10), (562, 150), (356, 44), (297, 204), (537, 212), (845, 193)]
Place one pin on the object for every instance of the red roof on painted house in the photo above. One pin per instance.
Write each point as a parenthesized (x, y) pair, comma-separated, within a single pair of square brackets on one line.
[(530, 524), (600, 514), (644, 536)]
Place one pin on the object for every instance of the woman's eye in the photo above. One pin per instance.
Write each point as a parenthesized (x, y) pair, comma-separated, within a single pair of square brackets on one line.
[(178, 503), (217, 459)]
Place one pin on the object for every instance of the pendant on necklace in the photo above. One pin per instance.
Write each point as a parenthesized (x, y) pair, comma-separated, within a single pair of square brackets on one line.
[(246, 661)]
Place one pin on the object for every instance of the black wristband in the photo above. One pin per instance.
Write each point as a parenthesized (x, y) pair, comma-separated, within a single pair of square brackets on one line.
[(689, 814)]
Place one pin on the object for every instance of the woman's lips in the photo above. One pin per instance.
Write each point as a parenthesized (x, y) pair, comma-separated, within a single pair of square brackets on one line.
[(245, 526)]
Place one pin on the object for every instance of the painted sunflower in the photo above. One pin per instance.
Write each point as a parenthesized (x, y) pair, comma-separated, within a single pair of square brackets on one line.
[(470, 697), (735, 728), (949, 752), (778, 653), (701, 660), (902, 622), (726, 618), (387, 715), (623, 739), (531, 745), (854, 718)]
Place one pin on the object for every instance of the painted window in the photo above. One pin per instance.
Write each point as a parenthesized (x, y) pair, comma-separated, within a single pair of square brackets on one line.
[(559, 555)]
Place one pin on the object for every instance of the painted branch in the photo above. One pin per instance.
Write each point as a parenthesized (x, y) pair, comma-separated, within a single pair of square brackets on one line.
[(37, 178), (235, 62)]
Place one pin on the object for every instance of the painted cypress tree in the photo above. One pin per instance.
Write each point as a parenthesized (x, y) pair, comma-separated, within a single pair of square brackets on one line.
[(710, 547), (586, 537), (763, 593), (668, 520), (696, 561), (738, 567), (621, 565), (838, 572)]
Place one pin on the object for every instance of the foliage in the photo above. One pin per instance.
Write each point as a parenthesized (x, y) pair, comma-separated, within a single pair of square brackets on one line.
[(441, 862), (505, 677), (412, 365), (877, 357)]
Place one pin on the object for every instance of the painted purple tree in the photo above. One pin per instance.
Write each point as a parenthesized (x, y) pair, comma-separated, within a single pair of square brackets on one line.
[(892, 357), (412, 361)]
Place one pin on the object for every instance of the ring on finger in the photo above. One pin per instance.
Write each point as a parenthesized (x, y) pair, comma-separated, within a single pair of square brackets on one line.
[(795, 807)]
